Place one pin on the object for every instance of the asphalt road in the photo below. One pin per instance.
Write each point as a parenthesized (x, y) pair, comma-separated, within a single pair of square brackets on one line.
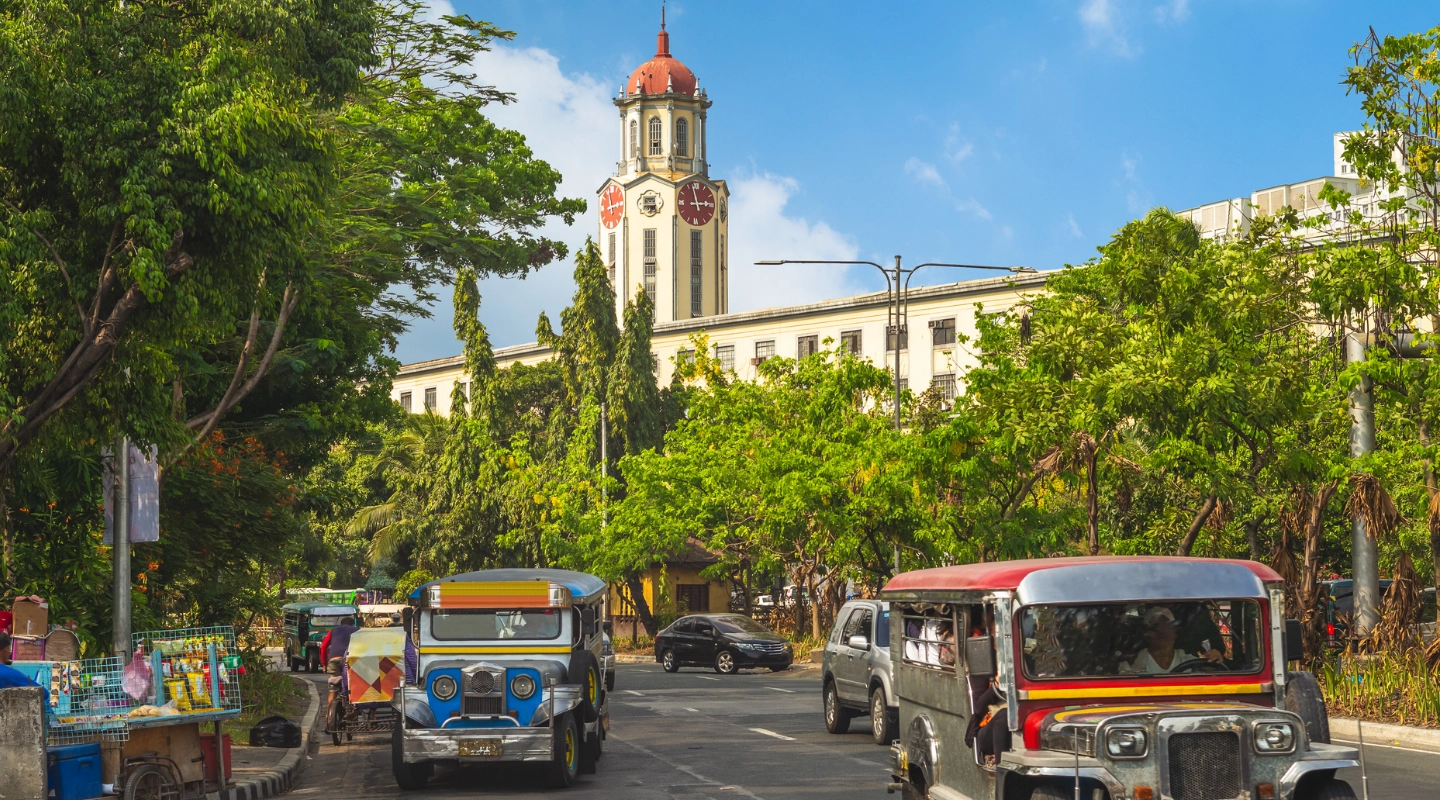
[(696, 735)]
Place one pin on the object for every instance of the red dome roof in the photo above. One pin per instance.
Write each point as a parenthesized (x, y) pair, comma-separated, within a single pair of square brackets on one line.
[(663, 73)]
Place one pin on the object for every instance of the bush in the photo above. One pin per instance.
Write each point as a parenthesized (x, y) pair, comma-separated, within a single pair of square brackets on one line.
[(1393, 687)]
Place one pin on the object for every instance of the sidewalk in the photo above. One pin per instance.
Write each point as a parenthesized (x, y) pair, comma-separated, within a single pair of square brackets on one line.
[(262, 772), (1378, 733)]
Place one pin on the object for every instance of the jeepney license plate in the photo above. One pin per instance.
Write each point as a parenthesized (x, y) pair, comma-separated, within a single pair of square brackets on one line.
[(481, 747)]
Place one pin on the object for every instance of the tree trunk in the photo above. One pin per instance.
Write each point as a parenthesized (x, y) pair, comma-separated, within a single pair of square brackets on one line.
[(1195, 525), (1252, 537), (9, 554), (1093, 510), (642, 608), (1432, 489), (1309, 580)]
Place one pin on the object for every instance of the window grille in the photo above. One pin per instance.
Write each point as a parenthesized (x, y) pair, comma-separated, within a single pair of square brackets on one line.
[(682, 138), (942, 332), (650, 262), (904, 384), (655, 147), (928, 639), (725, 354), (685, 356), (764, 350), (890, 339), (696, 248), (807, 346), (850, 341), (634, 138), (945, 384), (405, 401), (430, 399)]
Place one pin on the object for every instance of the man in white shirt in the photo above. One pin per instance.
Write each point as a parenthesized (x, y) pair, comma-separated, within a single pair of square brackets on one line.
[(1160, 654)]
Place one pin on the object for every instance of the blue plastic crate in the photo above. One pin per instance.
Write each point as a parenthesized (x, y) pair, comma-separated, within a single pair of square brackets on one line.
[(74, 771)]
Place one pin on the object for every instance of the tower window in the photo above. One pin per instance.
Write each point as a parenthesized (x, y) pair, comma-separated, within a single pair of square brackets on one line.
[(682, 138), (611, 268), (650, 263), (655, 147), (634, 138), (697, 242)]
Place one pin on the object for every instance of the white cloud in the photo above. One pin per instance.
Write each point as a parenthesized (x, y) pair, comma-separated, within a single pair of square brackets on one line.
[(1104, 27), (958, 149), (1173, 11), (923, 172), (972, 206), (1074, 226), (1129, 163), (760, 230)]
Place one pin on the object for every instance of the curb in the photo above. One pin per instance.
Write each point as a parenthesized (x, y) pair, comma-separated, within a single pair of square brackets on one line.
[(1427, 739), (280, 779), (631, 658)]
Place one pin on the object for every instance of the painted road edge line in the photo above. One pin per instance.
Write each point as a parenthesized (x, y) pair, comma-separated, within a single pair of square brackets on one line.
[(774, 734), (778, 689), (706, 678), (632, 691)]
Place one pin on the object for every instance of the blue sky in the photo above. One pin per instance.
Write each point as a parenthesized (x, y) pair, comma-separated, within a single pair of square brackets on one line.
[(991, 133)]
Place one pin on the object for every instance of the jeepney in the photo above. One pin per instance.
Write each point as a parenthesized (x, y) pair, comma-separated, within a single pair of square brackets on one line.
[(305, 626), (1136, 678), (503, 665)]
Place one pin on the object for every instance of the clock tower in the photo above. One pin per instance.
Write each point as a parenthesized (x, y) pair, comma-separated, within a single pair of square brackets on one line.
[(663, 220)]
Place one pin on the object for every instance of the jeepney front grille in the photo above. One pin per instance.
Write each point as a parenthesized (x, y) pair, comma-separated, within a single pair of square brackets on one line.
[(482, 705), (1204, 766)]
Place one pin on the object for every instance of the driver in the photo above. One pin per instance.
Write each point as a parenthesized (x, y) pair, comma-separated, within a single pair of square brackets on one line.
[(1160, 654)]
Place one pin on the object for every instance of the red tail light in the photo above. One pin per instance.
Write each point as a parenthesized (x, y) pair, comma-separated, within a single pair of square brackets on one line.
[(1330, 629)]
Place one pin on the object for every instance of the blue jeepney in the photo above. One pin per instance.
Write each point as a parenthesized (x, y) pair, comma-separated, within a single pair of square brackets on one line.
[(503, 665)]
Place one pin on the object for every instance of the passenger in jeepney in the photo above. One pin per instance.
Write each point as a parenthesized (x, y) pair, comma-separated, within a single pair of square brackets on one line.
[(988, 731), (1160, 654)]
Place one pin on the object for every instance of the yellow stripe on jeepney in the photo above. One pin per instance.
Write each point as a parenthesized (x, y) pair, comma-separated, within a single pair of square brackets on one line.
[(497, 594), (483, 651), (1081, 693)]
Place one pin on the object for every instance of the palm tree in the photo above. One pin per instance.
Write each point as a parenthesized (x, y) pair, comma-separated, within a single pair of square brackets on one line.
[(406, 464)]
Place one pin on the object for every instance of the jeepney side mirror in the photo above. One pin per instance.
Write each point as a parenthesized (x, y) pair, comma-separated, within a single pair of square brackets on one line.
[(1294, 641), (587, 620), (609, 628), (980, 656)]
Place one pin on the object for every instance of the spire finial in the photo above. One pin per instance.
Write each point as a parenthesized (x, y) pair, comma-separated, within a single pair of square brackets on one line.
[(662, 40), (662, 15)]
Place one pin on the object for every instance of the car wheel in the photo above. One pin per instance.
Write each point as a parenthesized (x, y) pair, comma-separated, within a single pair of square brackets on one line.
[(1332, 789), (725, 663), (837, 717), (312, 664), (667, 660), (882, 728), (565, 766)]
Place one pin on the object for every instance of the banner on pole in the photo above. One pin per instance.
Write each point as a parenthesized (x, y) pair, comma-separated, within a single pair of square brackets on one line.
[(144, 505)]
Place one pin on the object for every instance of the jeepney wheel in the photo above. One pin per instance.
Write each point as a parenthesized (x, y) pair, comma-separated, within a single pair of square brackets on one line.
[(725, 663), (1049, 791), (585, 670), (1330, 789), (290, 660), (149, 782), (837, 717), (565, 766), (1303, 696), (409, 777), (882, 727), (668, 662), (312, 662)]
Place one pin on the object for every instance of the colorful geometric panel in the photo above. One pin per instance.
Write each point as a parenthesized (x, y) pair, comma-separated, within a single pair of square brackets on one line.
[(376, 662), (499, 594)]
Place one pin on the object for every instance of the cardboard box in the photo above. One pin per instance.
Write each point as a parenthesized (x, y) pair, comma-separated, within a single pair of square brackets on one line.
[(31, 618)]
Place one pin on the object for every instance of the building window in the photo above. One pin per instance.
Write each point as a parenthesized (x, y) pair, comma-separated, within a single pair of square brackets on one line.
[(634, 138), (464, 389), (685, 356), (890, 339), (725, 354), (654, 364), (611, 268), (650, 263), (807, 346), (694, 597), (850, 341), (764, 350), (655, 147), (942, 332), (697, 242), (682, 138), (430, 399), (904, 384), (945, 384), (405, 401)]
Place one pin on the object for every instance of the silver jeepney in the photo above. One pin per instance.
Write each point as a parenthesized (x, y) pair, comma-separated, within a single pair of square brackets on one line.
[(1240, 727), (503, 666)]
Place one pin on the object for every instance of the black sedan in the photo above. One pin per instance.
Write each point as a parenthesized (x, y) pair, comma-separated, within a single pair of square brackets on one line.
[(727, 642)]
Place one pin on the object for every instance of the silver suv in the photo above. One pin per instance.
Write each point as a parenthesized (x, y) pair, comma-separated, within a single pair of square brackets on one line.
[(856, 671)]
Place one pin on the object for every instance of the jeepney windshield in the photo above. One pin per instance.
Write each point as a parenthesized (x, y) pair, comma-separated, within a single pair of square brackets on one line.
[(1123, 640), (467, 624)]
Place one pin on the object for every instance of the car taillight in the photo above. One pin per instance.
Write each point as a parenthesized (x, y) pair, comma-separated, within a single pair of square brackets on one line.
[(1330, 629)]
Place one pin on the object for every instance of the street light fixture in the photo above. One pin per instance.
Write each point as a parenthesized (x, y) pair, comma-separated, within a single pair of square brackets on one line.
[(897, 290)]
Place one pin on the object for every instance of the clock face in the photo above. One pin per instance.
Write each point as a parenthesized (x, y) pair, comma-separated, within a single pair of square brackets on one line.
[(612, 206), (697, 203)]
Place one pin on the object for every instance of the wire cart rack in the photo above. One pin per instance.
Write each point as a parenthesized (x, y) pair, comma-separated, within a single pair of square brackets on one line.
[(196, 668), (87, 703)]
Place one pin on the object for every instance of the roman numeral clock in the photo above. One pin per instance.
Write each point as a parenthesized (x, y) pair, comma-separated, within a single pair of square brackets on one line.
[(697, 203)]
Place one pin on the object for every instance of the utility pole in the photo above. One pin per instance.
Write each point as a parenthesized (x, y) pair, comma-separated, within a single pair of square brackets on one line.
[(120, 515), (897, 290), (1364, 555)]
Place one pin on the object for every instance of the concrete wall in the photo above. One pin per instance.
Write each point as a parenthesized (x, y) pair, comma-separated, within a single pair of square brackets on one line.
[(22, 744)]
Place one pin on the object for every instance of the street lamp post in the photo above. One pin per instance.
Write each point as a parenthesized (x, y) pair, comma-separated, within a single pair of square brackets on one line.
[(897, 289)]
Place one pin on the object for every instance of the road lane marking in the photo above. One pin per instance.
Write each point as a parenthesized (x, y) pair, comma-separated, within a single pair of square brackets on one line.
[(774, 734), (706, 678), (693, 710), (1390, 747), (778, 689), (632, 691), (686, 769)]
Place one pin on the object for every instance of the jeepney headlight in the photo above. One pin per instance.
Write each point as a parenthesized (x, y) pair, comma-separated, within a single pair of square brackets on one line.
[(523, 686), (1126, 743), (1274, 737), (444, 687)]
